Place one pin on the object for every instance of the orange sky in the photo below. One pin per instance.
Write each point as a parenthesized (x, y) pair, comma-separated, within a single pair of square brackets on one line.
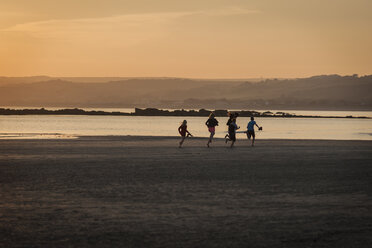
[(199, 39)]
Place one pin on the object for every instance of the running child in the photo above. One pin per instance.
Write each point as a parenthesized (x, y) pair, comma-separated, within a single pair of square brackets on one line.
[(229, 121), (232, 132), (250, 131), (183, 131), (211, 124)]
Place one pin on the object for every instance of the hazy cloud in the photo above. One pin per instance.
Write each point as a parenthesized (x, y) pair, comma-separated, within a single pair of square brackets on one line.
[(122, 30), (128, 19)]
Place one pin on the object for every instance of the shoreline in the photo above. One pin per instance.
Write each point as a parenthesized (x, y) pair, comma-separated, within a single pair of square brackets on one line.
[(56, 136)]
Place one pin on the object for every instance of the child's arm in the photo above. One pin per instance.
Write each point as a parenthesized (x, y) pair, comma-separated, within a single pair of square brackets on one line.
[(179, 129), (187, 131)]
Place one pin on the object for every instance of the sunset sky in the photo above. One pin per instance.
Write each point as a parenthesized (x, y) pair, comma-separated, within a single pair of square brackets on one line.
[(193, 38)]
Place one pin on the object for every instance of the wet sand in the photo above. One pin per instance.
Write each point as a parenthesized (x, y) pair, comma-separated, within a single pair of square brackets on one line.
[(146, 192)]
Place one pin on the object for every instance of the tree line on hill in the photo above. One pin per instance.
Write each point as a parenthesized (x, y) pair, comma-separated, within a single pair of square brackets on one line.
[(154, 112)]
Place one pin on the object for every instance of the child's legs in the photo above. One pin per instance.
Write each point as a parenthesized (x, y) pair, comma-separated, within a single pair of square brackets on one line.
[(182, 140), (211, 137), (227, 135), (232, 138)]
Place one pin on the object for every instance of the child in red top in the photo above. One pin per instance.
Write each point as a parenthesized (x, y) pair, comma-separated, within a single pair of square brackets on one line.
[(183, 130)]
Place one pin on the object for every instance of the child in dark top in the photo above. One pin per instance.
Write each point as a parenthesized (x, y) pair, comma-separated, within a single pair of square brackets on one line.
[(232, 131), (229, 121), (211, 124), (183, 131)]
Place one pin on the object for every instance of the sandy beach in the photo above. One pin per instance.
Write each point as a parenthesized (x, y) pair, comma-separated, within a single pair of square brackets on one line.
[(117, 191)]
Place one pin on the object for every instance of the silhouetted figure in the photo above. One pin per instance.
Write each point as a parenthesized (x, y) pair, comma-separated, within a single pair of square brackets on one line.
[(231, 117), (211, 124), (250, 130), (232, 132), (183, 131)]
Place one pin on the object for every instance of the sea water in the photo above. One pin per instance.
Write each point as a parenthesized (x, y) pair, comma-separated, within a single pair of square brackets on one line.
[(64, 126)]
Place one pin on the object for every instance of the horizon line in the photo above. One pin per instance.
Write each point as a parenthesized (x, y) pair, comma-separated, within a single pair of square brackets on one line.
[(193, 78)]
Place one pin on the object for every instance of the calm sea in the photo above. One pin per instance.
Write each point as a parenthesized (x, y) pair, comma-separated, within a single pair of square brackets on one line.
[(50, 126)]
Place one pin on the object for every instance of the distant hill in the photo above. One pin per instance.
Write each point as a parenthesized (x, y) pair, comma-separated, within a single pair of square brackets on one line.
[(330, 92), (22, 80), (34, 79)]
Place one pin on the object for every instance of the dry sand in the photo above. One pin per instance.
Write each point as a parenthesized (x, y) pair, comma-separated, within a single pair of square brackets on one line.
[(146, 192)]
